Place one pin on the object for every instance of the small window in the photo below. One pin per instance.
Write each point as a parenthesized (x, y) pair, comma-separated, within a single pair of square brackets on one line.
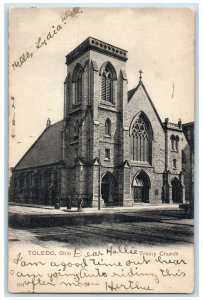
[(52, 179), (27, 179), (156, 192), (108, 127), (184, 160), (21, 181), (174, 163), (172, 142), (176, 143), (32, 180), (76, 129), (107, 154), (39, 180), (15, 182)]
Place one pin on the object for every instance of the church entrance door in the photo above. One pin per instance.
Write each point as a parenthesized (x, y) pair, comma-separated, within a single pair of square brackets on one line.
[(141, 186), (107, 188), (138, 194), (176, 191)]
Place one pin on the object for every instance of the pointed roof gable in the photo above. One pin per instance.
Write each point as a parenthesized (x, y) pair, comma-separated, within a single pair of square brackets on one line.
[(46, 149), (133, 91)]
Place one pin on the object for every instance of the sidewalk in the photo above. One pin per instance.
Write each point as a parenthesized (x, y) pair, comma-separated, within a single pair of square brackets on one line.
[(42, 209), (35, 216)]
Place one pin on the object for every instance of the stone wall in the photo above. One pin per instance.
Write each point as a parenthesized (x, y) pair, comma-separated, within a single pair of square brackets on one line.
[(40, 185)]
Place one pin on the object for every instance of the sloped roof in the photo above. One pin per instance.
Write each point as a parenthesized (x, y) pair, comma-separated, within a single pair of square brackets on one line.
[(46, 150), (131, 92)]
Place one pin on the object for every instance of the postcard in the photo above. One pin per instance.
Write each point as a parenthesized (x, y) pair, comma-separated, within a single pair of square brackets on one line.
[(101, 150)]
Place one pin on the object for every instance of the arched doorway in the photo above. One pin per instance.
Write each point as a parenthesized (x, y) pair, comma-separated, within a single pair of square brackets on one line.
[(107, 187), (141, 186), (176, 190)]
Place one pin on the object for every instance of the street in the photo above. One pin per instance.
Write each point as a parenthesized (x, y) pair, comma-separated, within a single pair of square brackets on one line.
[(151, 227)]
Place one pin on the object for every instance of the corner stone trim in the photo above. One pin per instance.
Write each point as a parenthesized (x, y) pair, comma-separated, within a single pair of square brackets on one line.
[(94, 65)]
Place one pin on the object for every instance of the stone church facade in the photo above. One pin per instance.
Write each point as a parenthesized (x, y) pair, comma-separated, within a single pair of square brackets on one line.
[(111, 148)]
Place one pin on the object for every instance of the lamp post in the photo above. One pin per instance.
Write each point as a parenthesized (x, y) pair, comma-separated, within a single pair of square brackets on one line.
[(99, 182)]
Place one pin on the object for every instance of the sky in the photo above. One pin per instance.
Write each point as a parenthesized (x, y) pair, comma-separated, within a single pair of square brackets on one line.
[(160, 41)]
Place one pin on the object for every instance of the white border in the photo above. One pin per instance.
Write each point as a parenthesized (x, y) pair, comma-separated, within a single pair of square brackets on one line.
[(3, 135)]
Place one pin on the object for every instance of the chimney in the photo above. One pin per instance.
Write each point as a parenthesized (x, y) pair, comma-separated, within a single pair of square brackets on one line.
[(48, 123), (179, 123)]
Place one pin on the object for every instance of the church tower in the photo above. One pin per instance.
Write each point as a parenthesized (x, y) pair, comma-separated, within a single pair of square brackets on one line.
[(95, 90)]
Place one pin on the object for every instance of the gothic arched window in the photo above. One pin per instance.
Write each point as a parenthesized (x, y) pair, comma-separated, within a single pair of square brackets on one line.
[(78, 86), (141, 141), (108, 127), (67, 91), (184, 159), (107, 85)]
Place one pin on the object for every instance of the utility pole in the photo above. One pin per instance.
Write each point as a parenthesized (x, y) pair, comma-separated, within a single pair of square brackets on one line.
[(13, 118)]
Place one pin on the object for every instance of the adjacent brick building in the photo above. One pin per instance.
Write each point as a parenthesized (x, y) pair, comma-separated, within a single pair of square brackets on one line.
[(111, 148), (188, 160)]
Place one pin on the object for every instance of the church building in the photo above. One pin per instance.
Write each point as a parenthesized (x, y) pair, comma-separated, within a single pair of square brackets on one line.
[(111, 148)]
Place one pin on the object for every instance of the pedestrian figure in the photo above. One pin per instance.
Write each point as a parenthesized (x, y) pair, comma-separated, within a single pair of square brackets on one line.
[(79, 203), (57, 203), (69, 202)]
